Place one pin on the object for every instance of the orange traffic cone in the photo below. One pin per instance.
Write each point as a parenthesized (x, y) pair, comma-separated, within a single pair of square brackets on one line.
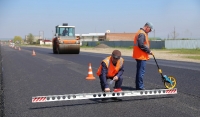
[(90, 74), (19, 48), (33, 53)]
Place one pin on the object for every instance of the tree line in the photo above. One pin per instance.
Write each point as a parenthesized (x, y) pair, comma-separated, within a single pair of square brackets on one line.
[(19, 40)]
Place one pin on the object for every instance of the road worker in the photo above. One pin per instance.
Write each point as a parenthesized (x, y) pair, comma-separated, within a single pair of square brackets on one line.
[(141, 51), (112, 67)]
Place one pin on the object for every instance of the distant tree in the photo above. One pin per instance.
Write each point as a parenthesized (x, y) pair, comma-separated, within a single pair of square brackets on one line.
[(17, 40), (38, 41), (30, 38), (152, 38), (155, 38)]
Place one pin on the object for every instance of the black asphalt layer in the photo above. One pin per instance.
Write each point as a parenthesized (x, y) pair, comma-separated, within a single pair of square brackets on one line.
[(46, 73)]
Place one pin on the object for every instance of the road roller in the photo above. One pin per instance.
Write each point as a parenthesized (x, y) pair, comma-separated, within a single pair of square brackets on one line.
[(65, 41)]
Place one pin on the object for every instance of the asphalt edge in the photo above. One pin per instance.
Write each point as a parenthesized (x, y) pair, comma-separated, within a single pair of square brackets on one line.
[(1, 86)]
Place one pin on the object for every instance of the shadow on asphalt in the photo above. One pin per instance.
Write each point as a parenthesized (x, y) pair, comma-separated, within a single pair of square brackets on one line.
[(98, 101), (127, 88)]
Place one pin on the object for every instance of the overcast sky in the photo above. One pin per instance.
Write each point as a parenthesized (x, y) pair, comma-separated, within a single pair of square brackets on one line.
[(21, 17)]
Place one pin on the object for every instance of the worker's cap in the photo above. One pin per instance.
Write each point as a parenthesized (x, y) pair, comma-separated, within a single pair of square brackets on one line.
[(150, 25), (116, 54)]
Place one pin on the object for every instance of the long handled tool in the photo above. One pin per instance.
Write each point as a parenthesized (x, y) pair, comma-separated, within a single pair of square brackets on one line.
[(169, 81)]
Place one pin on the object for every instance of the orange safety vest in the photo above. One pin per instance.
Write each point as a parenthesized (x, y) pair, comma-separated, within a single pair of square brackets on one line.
[(112, 70), (137, 52)]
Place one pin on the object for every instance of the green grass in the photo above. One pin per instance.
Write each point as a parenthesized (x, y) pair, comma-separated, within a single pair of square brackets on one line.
[(193, 57), (195, 53), (185, 51)]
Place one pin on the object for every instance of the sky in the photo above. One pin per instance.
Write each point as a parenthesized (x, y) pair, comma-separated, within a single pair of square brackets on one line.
[(22, 17)]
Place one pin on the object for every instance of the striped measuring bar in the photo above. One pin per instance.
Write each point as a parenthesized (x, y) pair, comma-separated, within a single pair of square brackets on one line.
[(66, 97)]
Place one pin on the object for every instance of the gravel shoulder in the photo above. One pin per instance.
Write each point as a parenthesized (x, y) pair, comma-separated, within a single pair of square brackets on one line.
[(159, 54)]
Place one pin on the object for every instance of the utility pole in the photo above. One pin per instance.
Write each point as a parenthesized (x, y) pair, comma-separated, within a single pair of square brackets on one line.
[(174, 33), (52, 34), (41, 34), (168, 36)]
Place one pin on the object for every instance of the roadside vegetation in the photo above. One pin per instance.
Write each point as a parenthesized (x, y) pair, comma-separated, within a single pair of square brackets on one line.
[(185, 51), (30, 38), (193, 57), (18, 40), (178, 51), (190, 53)]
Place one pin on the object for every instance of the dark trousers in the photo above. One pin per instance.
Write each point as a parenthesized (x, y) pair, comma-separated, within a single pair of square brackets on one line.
[(140, 74), (104, 84)]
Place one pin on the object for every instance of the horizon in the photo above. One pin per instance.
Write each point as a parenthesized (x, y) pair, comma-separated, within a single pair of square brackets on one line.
[(21, 17)]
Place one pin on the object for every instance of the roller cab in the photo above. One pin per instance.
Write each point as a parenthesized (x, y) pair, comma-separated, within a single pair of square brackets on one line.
[(65, 41)]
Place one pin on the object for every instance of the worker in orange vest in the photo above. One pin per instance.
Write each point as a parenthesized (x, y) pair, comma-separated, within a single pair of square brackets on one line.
[(141, 51), (112, 67)]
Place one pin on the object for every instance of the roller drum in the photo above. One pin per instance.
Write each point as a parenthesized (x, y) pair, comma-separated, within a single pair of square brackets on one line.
[(68, 49)]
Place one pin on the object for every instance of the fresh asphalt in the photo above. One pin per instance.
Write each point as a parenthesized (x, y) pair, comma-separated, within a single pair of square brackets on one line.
[(25, 76)]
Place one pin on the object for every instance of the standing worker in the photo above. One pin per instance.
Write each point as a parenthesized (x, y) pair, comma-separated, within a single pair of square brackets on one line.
[(141, 51), (112, 67)]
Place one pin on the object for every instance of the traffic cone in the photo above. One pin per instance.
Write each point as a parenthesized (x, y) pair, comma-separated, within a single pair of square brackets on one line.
[(19, 48), (90, 74), (33, 53)]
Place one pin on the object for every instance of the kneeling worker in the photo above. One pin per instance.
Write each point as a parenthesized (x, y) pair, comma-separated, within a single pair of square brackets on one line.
[(111, 67)]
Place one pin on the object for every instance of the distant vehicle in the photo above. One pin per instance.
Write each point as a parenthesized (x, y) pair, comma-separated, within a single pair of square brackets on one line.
[(12, 44), (65, 41)]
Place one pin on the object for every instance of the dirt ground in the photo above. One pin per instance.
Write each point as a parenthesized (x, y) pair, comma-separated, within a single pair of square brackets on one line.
[(159, 54)]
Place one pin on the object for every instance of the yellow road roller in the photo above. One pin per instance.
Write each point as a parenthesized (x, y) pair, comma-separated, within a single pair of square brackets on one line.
[(65, 41)]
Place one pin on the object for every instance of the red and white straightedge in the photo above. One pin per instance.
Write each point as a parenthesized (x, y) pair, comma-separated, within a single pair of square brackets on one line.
[(81, 96)]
